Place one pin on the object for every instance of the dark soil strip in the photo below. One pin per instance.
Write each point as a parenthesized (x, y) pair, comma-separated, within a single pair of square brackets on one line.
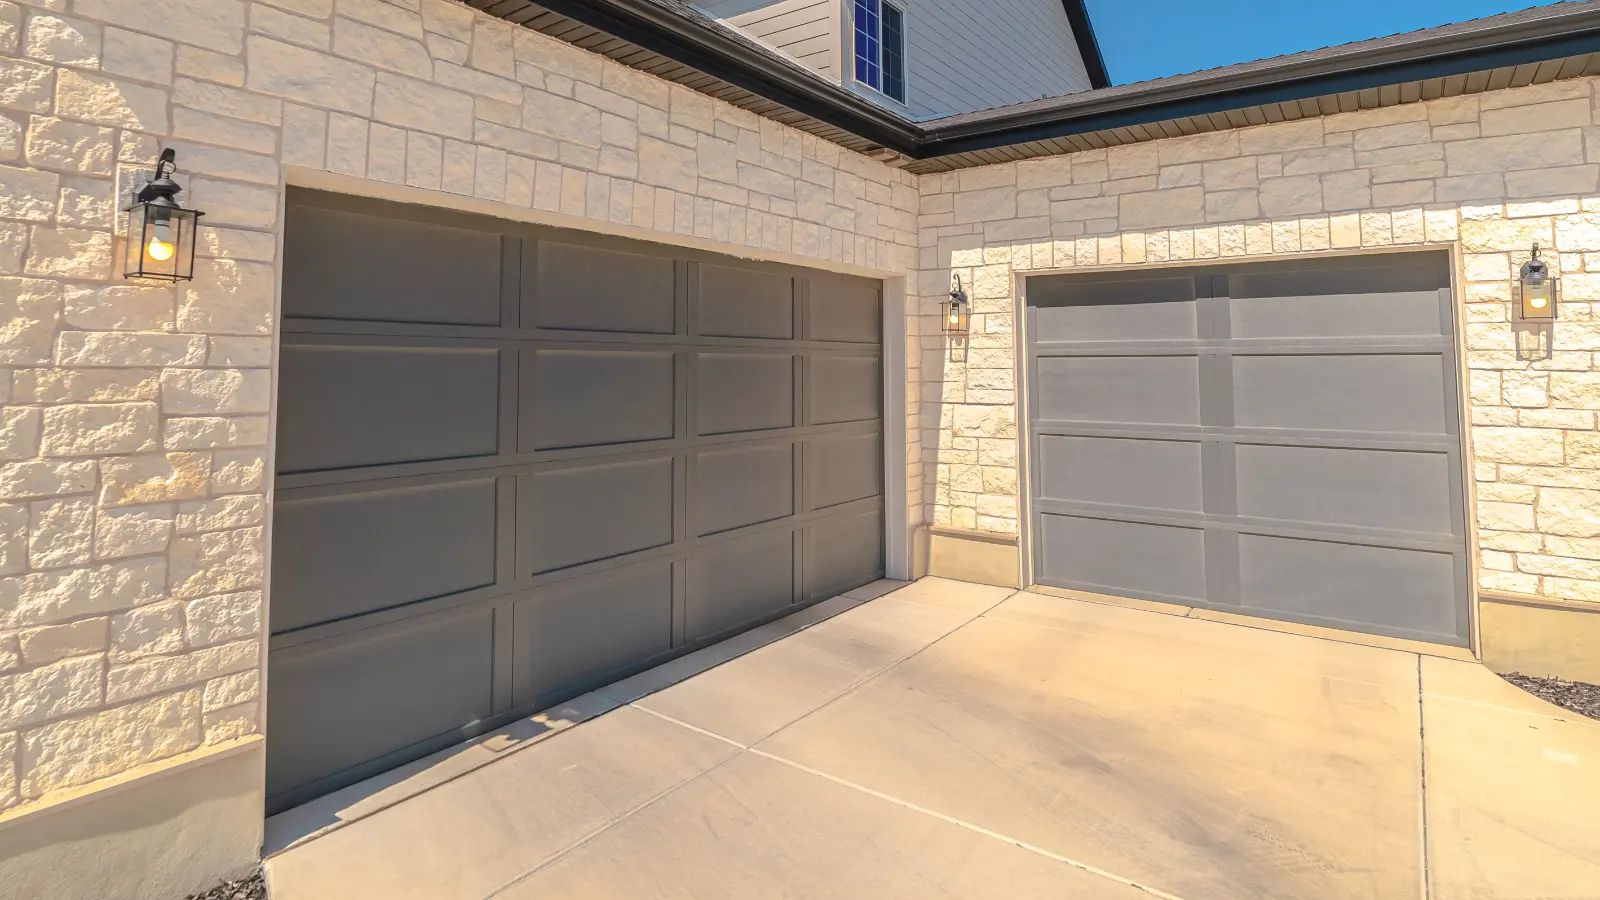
[(1578, 696), (252, 888)]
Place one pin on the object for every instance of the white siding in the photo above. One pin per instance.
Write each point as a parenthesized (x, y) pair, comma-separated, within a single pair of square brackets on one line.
[(961, 55), (808, 30), (964, 55)]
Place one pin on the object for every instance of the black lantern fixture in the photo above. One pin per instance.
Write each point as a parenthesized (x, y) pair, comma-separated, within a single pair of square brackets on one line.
[(955, 313), (161, 233), (1536, 291)]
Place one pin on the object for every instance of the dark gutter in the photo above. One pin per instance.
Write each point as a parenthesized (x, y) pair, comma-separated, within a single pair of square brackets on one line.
[(699, 42), (1088, 45), (672, 29), (1299, 77)]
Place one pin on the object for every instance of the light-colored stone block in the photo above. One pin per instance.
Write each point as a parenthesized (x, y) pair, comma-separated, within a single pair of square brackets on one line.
[(107, 101), (27, 194), (309, 77), (223, 617), (155, 630), (50, 691), (132, 531), (137, 56), (100, 428), (153, 478), (60, 533), (44, 597), (40, 646), (77, 751), (410, 103), (70, 146), (164, 673)]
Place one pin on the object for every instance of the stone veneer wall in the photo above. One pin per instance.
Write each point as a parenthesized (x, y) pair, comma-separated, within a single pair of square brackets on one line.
[(134, 419), (1488, 174)]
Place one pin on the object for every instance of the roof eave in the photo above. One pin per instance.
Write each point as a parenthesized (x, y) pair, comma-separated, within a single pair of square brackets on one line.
[(721, 53), (1314, 76), (700, 44)]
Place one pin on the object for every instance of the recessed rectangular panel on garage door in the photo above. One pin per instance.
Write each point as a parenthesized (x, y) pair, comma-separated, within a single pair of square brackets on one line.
[(1274, 439)]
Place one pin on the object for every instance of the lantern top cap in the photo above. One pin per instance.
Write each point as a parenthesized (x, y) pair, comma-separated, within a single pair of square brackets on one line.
[(1535, 268), (161, 190)]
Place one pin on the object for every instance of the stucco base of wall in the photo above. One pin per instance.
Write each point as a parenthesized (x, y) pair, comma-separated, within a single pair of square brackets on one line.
[(1534, 636), (162, 836), (966, 556)]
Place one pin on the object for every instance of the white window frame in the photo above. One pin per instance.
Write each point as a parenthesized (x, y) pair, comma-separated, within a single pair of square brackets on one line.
[(875, 35)]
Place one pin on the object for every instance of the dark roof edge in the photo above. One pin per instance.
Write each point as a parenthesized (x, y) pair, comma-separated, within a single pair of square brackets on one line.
[(1299, 77), (1088, 45), (699, 42), (724, 54)]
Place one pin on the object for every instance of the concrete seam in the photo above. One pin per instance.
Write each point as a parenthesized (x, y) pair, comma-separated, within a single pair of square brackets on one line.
[(604, 827), (979, 829), (1422, 770)]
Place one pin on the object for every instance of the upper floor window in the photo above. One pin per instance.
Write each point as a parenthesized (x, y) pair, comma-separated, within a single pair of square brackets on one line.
[(881, 47)]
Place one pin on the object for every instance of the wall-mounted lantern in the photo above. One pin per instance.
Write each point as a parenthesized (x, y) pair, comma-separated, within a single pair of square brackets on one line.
[(161, 233), (1536, 292), (956, 313)]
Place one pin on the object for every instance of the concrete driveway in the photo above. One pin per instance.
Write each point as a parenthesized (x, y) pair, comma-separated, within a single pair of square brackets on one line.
[(956, 740)]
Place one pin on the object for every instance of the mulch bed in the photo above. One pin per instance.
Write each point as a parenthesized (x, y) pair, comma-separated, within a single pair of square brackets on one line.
[(252, 888), (1578, 696)]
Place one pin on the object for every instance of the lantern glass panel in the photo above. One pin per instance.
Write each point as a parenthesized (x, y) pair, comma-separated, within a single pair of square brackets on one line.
[(1536, 300), (953, 317), (161, 242)]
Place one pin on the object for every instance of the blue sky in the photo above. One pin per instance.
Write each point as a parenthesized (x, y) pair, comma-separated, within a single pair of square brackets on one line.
[(1144, 39)]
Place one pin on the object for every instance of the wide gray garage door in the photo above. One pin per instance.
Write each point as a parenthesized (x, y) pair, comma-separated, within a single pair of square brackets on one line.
[(515, 463), (1279, 440)]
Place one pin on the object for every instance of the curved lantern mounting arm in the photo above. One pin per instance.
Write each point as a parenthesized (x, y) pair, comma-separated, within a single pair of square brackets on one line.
[(161, 190)]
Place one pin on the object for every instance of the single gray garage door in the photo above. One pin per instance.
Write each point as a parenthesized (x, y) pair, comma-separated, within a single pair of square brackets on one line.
[(1280, 440), (515, 463)]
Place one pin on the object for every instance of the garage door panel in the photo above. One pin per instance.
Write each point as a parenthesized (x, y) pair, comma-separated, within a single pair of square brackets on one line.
[(741, 485), (349, 265), (616, 476), (583, 288), (590, 398), (1388, 489), (1159, 561), (1151, 474), (572, 516), (340, 556), (1384, 589), (844, 468), (1337, 316), (575, 636), (1402, 393), (1320, 302), (341, 702), (844, 309), (1131, 389), (845, 389), (1324, 485), (1148, 309), (739, 581), (843, 552), (347, 406), (742, 303), (740, 392)]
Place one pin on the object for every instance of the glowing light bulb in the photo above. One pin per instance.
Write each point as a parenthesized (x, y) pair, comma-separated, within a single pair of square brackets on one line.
[(1537, 302), (161, 247), (954, 319)]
